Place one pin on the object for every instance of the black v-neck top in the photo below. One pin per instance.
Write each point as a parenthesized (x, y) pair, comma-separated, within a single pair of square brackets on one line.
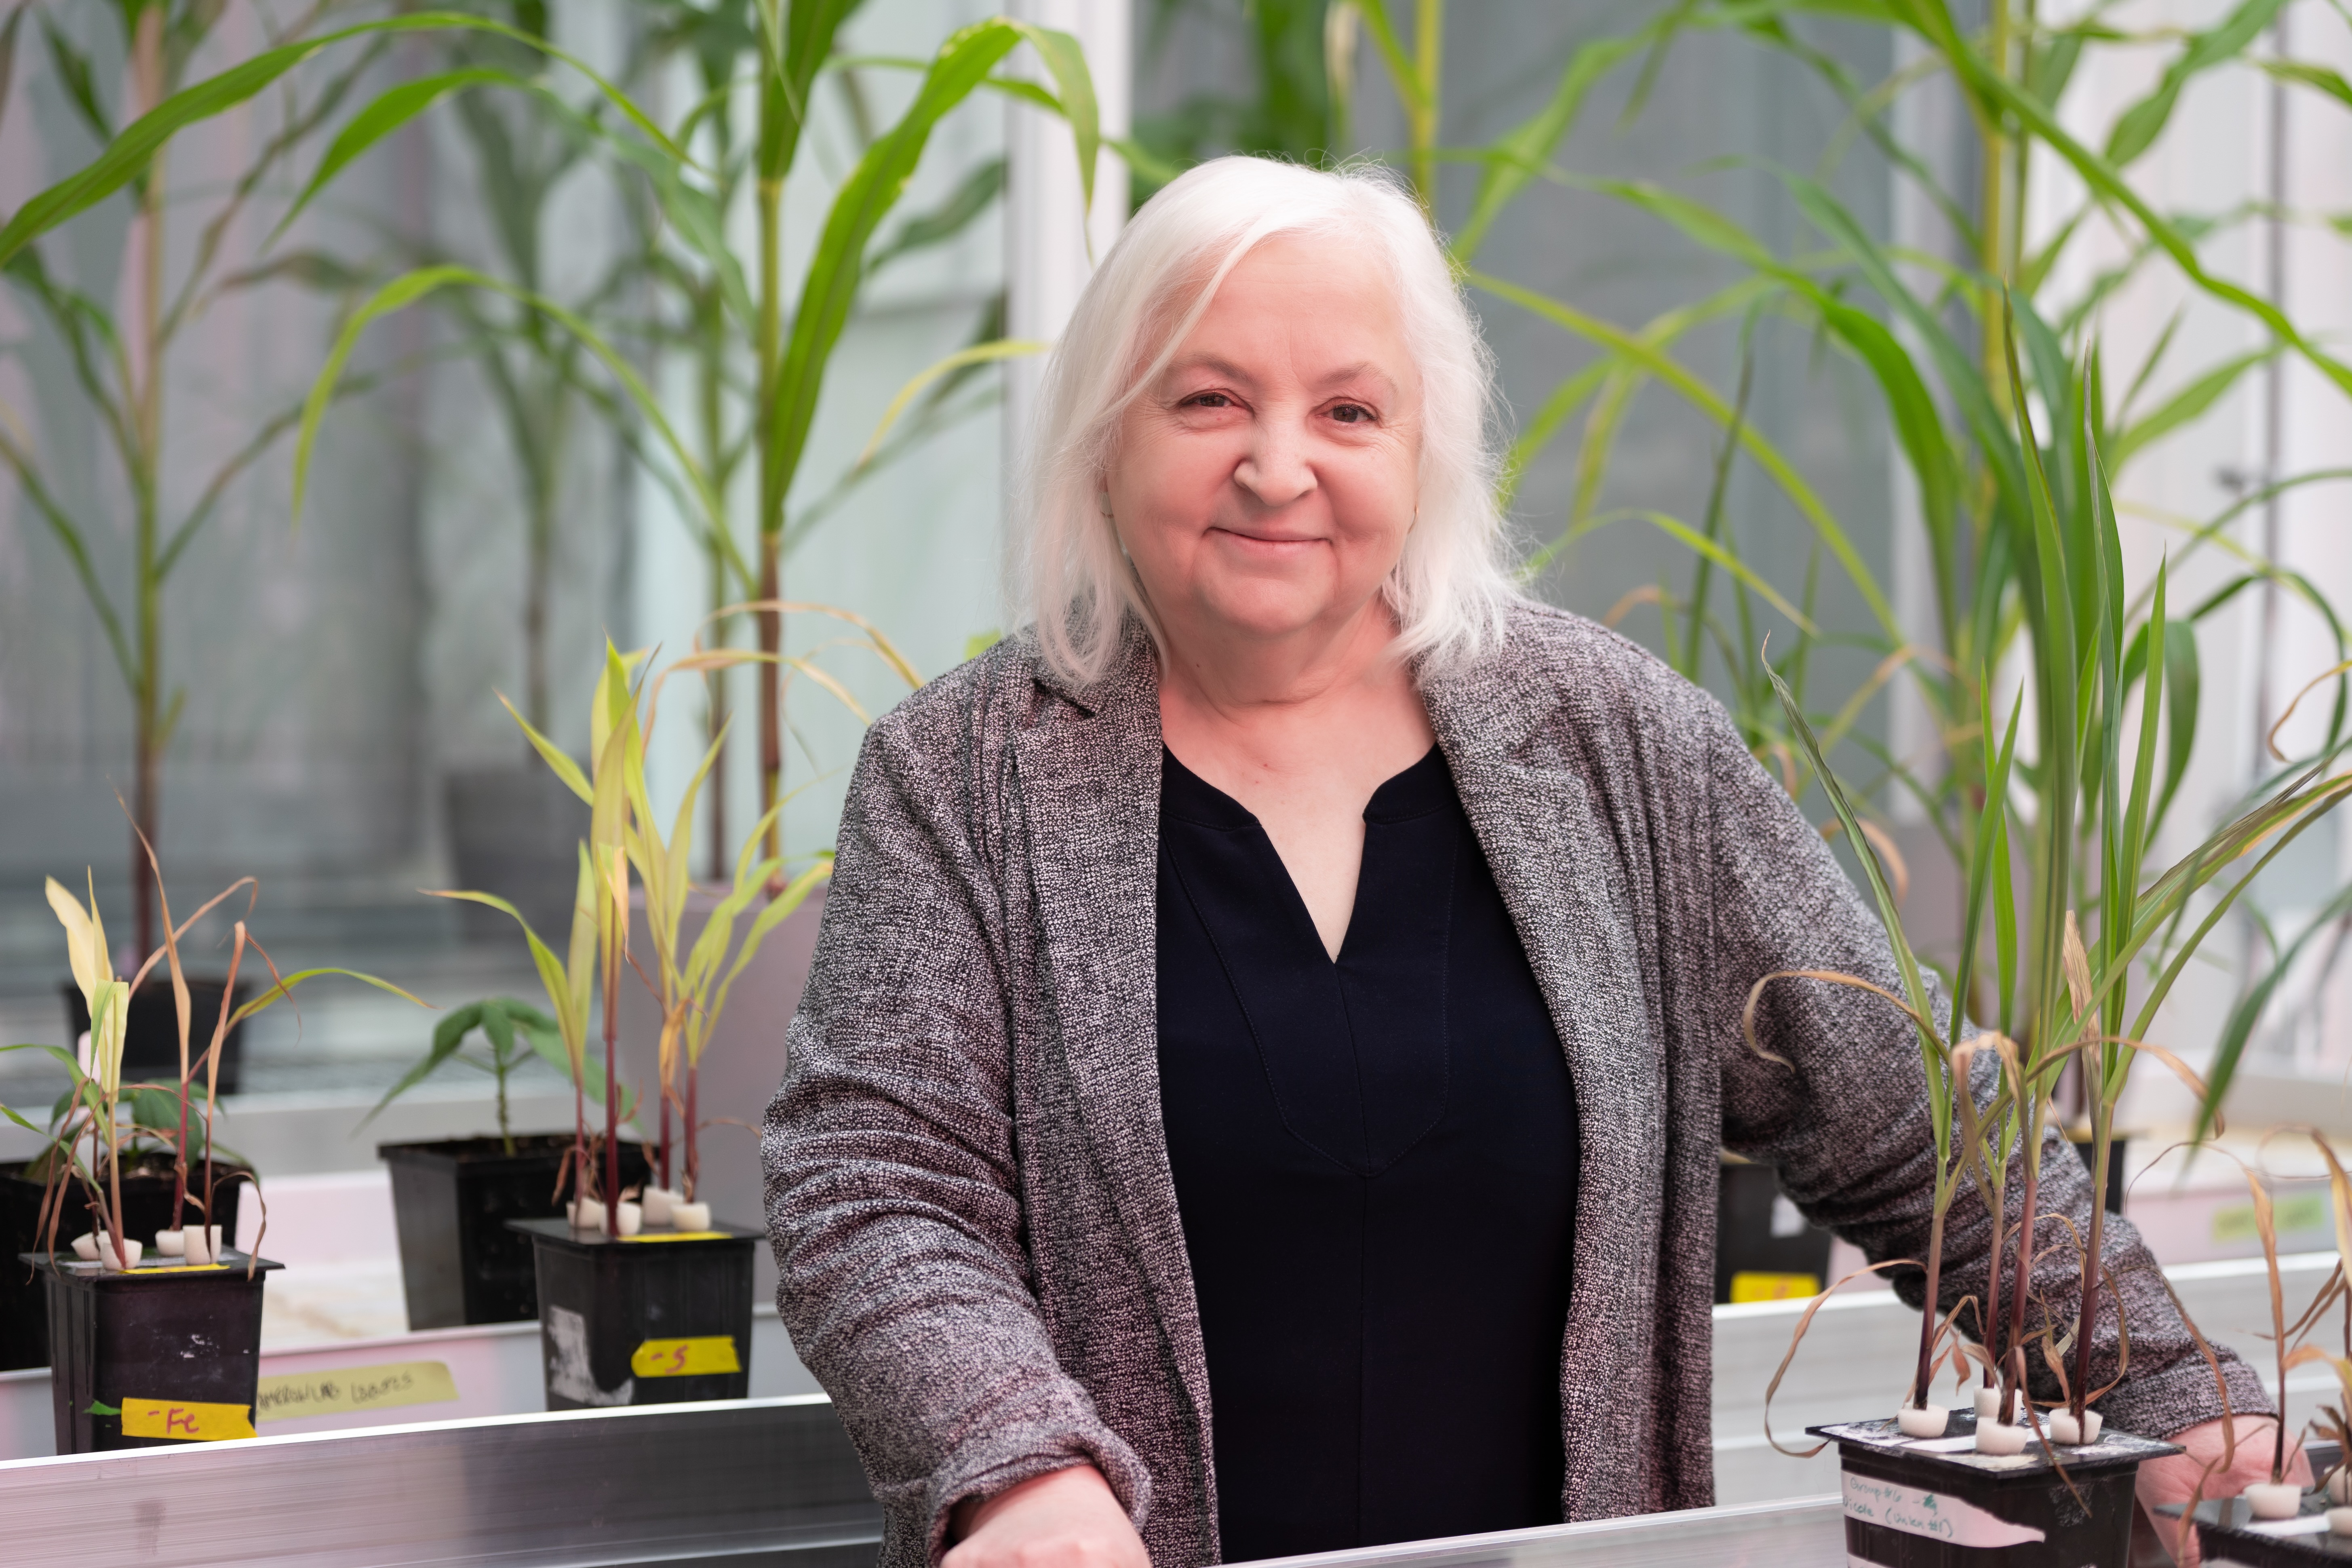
[(1375, 1163)]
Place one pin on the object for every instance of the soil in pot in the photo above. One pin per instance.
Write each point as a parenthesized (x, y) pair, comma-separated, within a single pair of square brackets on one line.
[(151, 1031), (659, 1317), (147, 1208), (161, 1355), (1937, 1503), (452, 1198)]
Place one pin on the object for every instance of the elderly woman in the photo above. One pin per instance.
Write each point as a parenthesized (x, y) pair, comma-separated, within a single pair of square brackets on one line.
[(1260, 1084)]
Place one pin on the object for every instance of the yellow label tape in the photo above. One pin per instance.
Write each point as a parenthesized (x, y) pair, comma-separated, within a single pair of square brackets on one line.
[(188, 1420), (685, 1358), (143, 1270), (678, 1236), (1757, 1287), (354, 1390)]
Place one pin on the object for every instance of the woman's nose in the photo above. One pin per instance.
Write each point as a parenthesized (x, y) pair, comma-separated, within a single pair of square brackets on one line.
[(1275, 469)]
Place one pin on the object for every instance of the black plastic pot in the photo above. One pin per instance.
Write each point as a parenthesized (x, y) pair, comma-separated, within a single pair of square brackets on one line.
[(2227, 1532), (2115, 1146), (1912, 1507), (640, 1320), (515, 832), (163, 1348), (451, 1200), (24, 1300), (1756, 1234), (151, 1032)]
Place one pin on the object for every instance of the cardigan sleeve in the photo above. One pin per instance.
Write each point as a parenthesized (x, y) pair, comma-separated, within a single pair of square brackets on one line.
[(892, 1197), (1847, 1127)]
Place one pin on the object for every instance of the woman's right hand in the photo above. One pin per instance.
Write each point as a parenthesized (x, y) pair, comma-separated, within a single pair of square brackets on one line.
[(1065, 1518)]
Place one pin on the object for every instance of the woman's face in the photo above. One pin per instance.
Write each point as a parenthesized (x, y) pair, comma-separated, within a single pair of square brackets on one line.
[(1266, 480)]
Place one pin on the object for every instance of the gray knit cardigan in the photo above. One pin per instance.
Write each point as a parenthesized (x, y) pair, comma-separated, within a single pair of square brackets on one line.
[(968, 1187)]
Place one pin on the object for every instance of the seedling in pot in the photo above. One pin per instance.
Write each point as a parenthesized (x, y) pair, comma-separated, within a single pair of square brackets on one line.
[(513, 1032), (94, 1109)]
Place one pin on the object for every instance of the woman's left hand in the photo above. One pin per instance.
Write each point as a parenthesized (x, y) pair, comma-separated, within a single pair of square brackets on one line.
[(2172, 1479)]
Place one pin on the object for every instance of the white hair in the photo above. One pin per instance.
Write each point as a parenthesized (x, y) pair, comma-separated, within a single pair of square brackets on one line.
[(1450, 587)]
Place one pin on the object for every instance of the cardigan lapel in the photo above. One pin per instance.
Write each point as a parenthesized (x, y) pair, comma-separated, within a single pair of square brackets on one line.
[(1088, 779), (1557, 866)]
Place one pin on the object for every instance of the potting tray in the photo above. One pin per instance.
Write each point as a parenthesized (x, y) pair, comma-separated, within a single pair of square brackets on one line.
[(1936, 1503), (1958, 1446), (2227, 1532)]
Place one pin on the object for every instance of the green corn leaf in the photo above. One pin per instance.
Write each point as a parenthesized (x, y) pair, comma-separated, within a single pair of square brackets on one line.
[(390, 110), (280, 988), (2139, 127), (779, 910), (1519, 155), (2186, 405), (1656, 362), (2229, 1049), (411, 286), (74, 74), (447, 1039), (126, 157), (874, 187)]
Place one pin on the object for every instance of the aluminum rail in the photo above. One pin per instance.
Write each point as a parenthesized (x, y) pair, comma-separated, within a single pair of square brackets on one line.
[(765, 1481), (1797, 1533), (741, 1483)]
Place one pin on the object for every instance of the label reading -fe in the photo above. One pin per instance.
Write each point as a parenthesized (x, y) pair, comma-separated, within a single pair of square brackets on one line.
[(186, 1420), (685, 1358), (1932, 1514)]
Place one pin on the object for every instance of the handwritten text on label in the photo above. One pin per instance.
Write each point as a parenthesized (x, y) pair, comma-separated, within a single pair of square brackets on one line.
[(1931, 1514), (685, 1358), (186, 1420), (354, 1390)]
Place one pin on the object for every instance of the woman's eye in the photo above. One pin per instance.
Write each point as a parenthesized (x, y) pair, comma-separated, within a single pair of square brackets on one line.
[(1352, 414), (1208, 400)]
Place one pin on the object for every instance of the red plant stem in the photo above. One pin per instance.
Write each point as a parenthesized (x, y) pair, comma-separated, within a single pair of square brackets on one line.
[(180, 1165), (693, 1142), (1929, 1308), (1990, 1316), (580, 1177), (2012, 1366), (2081, 1392), (613, 1093), (115, 1185), (665, 1137)]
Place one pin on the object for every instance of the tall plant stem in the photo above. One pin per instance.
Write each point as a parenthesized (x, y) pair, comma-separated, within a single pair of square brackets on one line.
[(1989, 1315), (665, 1136), (1943, 1202), (2102, 1118), (2012, 1364), (693, 1143), (774, 114), (114, 1189), (148, 719), (714, 683), (1421, 118), (542, 548), (612, 1072)]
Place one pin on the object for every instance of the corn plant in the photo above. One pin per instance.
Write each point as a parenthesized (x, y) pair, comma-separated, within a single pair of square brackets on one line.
[(114, 1117), (795, 44), (703, 309), (513, 1033), (121, 371), (2095, 1012)]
